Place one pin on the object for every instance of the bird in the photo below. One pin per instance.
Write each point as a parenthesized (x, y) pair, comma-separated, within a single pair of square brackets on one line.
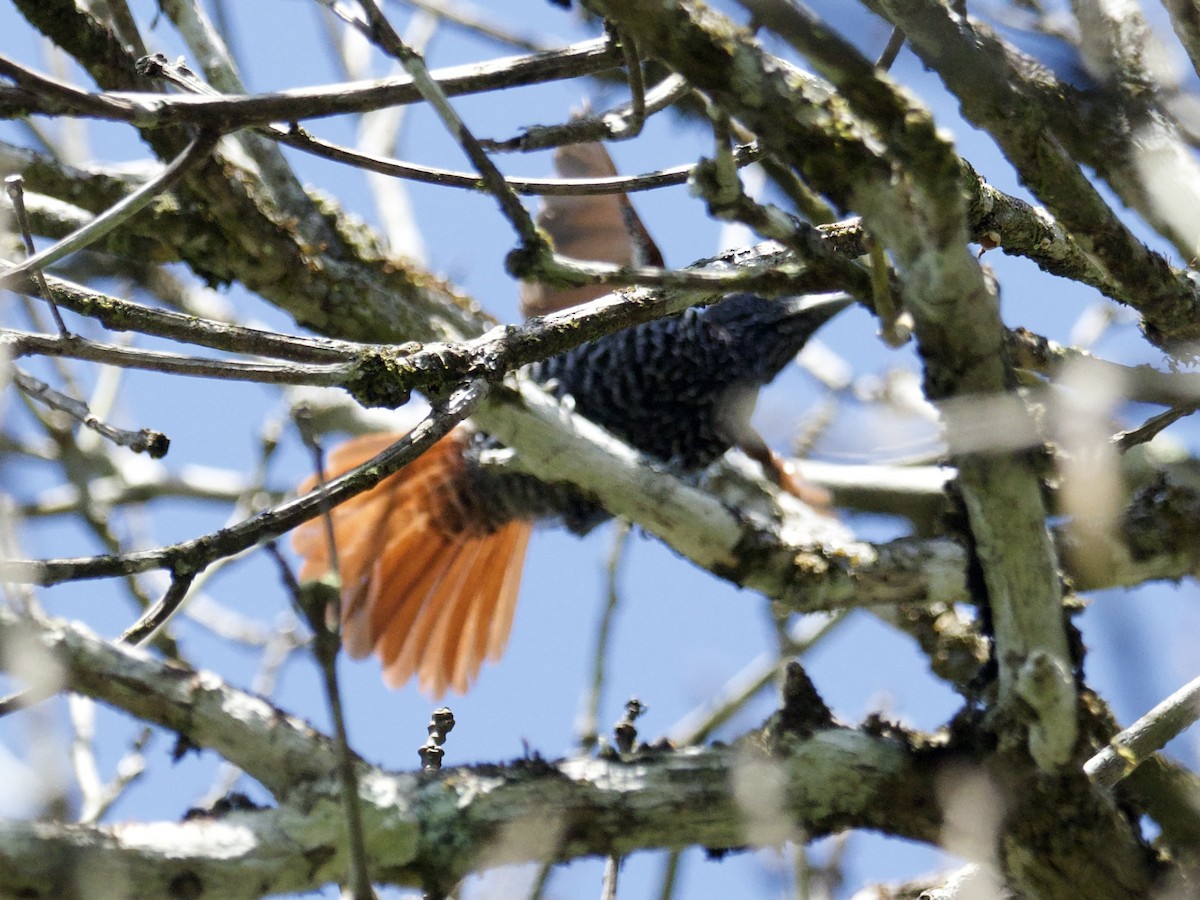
[(430, 559)]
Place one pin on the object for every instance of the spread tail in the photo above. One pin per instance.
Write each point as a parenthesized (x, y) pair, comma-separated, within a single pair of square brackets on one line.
[(431, 592)]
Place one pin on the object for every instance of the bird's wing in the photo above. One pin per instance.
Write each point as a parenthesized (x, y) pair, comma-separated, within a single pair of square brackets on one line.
[(599, 228), (430, 592)]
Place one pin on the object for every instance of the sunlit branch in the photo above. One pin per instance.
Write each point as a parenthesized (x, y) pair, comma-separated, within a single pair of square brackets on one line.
[(1147, 735), (39, 93)]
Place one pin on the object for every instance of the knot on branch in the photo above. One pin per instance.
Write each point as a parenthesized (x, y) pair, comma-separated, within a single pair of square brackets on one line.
[(381, 378), (153, 66), (534, 261), (154, 443), (1049, 688), (525, 261), (724, 196), (802, 712)]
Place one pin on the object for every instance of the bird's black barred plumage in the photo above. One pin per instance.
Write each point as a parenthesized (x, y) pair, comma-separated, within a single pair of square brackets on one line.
[(679, 389)]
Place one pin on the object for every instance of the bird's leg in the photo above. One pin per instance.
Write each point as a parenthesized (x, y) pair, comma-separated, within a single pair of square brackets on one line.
[(781, 472)]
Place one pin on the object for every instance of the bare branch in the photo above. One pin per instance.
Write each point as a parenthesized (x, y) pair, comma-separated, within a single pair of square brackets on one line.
[(279, 750), (155, 443), (1145, 736), (195, 153), (833, 776), (196, 554), (39, 93)]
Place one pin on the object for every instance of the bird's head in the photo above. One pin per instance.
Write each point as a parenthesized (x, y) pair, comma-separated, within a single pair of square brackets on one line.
[(771, 332)]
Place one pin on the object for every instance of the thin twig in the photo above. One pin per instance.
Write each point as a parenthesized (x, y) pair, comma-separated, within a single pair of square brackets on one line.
[(98, 797), (319, 607), (542, 881), (589, 728), (670, 876), (302, 417), (128, 770), (82, 713), (896, 323), (1146, 736), (894, 45), (1152, 427), (195, 153), (15, 185), (632, 126), (593, 126), (144, 440), (162, 612), (560, 187), (198, 553)]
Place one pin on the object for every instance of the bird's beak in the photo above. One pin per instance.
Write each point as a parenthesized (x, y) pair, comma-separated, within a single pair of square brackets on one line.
[(819, 308)]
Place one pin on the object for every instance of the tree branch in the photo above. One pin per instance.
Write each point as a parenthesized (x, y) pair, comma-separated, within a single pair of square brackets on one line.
[(199, 553), (1035, 119), (37, 93), (451, 823), (279, 750)]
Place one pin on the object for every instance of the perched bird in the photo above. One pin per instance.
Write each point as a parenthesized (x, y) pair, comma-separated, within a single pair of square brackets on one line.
[(431, 558)]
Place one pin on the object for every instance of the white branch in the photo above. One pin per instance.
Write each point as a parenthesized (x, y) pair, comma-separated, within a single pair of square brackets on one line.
[(1150, 733), (279, 750)]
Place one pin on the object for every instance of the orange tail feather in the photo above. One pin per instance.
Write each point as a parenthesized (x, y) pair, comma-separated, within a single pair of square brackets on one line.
[(430, 592)]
